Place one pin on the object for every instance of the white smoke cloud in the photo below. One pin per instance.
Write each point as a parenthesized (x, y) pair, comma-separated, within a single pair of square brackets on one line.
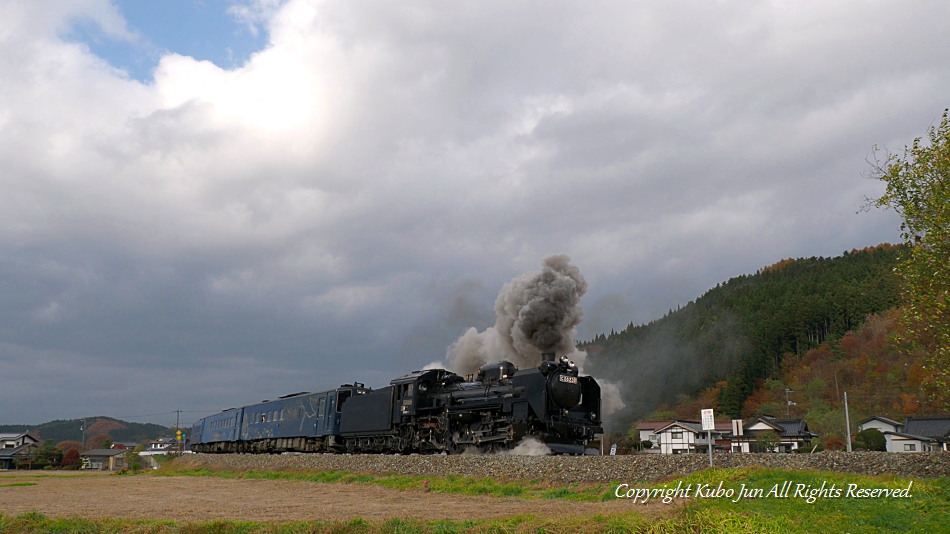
[(529, 446)]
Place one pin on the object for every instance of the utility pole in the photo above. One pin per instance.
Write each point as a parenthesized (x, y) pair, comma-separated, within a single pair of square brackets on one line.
[(82, 430), (847, 421), (178, 431), (788, 403)]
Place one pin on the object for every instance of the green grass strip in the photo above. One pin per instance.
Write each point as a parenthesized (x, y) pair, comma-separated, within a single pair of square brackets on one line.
[(629, 522), (448, 484)]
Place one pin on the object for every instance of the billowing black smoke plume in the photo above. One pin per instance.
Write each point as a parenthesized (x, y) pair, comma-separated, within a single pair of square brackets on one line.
[(534, 313)]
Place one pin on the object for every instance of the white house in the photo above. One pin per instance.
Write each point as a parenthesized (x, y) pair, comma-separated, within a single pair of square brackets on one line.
[(646, 431), (13, 446), (917, 434), (792, 434), (881, 423), (14, 440), (901, 442), (680, 437)]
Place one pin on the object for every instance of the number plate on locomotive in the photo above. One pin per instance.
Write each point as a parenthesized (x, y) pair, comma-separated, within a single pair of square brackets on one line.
[(568, 378)]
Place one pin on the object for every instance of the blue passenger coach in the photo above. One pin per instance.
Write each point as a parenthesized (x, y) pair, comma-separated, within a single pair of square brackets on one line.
[(301, 422)]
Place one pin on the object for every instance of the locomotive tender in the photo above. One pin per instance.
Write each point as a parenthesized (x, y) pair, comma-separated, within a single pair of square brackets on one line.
[(428, 411)]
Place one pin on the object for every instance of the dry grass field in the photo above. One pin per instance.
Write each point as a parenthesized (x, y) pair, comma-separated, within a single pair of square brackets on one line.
[(192, 499)]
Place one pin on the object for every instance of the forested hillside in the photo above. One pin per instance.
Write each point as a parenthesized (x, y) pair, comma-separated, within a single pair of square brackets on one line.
[(96, 431), (878, 377), (739, 332)]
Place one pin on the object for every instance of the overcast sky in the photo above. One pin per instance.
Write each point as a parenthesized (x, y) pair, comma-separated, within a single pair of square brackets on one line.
[(209, 203)]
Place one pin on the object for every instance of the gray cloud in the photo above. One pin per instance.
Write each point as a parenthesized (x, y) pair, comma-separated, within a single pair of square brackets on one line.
[(344, 204)]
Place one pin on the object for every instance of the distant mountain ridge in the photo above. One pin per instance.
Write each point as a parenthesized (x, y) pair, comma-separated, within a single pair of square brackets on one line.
[(741, 330), (71, 430)]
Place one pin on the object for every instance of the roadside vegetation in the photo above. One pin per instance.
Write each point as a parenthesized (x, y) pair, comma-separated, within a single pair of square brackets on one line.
[(924, 510)]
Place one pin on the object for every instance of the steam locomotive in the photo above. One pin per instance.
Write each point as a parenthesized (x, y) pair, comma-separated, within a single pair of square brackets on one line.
[(428, 411)]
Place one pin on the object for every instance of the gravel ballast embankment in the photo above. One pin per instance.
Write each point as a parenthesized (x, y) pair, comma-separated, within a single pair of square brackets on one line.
[(582, 468)]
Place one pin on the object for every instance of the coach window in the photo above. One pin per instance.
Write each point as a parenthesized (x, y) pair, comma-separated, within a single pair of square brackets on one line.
[(341, 396), (321, 406)]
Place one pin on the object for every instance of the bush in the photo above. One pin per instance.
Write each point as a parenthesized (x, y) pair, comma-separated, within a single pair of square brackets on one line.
[(870, 439), (834, 443), (71, 459)]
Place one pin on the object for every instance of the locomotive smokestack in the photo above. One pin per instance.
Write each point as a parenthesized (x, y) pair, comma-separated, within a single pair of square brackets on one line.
[(547, 357)]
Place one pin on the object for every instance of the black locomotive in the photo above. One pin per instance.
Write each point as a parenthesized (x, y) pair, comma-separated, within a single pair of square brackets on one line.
[(428, 411)]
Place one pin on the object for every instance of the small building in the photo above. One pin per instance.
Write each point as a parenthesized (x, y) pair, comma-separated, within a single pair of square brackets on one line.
[(792, 434), (103, 459), (904, 442), (919, 433), (683, 437), (162, 446), (936, 428), (15, 447), (881, 423), (646, 431)]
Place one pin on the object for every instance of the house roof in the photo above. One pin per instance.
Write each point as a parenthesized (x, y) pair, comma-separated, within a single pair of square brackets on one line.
[(652, 425), (767, 419), (104, 452), (907, 436), (685, 425), (786, 428), (931, 426), (725, 426), (10, 452), (795, 427), (14, 435), (882, 419)]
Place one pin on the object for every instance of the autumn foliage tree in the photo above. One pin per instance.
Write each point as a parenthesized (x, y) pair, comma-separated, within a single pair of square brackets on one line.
[(71, 458), (69, 444), (918, 188)]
